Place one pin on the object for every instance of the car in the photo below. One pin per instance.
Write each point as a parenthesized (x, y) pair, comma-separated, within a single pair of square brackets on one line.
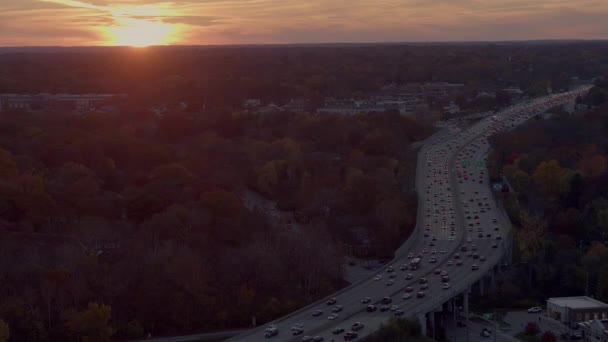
[(494, 245), (332, 301), (457, 256), (422, 280), (474, 267), (437, 271), (406, 296), (404, 267), (409, 276), (408, 289), (390, 282), (445, 279), (318, 339), (296, 331), (366, 300), (390, 269), (337, 308), (420, 294), (535, 309), (399, 313), (357, 326), (387, 300), (482, 258), (446, 286), (337, 331), (317, 313), (393, 276), (384, 308), (449, 263), (378, 277), (306, 338), (271, 331), (424, 286), (371, 308), (432, 260), (332, 316), (351, 335)]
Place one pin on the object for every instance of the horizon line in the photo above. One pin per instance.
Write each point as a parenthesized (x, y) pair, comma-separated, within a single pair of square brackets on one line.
[(317, 44)]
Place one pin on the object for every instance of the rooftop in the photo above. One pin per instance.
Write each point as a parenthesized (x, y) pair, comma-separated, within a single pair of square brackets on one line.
[(581, 302)]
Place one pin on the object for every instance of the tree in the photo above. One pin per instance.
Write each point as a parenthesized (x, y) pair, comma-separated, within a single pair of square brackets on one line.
[(551, 178), (548, 336), (92, 324), (8, 168), (222, 203), (268, 178), (593, 166), (4, 331), (602, 220), (531, 329)]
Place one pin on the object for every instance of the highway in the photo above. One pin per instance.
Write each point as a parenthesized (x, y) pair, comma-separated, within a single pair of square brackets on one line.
[(456, 210)]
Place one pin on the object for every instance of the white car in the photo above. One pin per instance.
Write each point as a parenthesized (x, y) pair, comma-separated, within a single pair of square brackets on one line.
[(406, 296), (366, 300), (378, 277), (332, 316), (446, 286), (535, 309), (390, 282), (394, 307)]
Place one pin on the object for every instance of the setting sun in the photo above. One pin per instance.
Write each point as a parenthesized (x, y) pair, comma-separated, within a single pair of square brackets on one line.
[(140, 33)]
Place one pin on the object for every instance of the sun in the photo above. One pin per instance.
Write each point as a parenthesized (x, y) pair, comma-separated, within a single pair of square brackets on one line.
[(141, 33)]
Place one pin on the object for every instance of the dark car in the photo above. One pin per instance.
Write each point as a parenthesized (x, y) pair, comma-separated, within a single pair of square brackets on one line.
[(351, 335), (337, 331)]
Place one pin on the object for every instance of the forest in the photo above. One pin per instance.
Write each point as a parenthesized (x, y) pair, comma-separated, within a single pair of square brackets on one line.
[(121, 225), (558, 167), (219, 77)]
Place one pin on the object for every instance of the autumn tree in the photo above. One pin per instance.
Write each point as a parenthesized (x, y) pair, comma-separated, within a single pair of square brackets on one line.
[(8, 168), (551, 178), (602, 220), (531, 329), (4, 331), (92, 324), (593, 166), (548, 336)]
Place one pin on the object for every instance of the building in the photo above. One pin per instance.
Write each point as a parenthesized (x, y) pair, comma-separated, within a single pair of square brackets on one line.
[(81, 103), (401, 104), (576, 309), (594, 331)]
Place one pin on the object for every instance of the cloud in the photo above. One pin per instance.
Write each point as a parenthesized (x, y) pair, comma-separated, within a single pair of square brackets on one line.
[(298, 21)]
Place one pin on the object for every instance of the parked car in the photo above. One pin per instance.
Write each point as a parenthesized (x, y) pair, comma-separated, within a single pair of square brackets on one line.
[(535, 309)]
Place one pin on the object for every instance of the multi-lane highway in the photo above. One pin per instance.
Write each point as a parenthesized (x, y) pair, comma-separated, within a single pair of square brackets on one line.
[(460, 234)]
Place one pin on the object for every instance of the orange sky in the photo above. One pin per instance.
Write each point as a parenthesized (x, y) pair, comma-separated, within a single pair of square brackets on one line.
[(152, 22)]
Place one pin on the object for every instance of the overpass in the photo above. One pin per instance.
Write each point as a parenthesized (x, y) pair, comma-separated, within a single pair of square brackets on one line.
[(460, 230)]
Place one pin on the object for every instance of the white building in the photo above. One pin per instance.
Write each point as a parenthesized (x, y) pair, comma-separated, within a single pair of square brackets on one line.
[(576, 309)]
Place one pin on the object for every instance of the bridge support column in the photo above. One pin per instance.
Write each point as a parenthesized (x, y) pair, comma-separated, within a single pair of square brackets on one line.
[(481, 281), (465, 302), (493, 279), (422, 321)]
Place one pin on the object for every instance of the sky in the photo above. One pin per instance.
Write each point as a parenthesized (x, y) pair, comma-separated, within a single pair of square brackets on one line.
[(194, 22)]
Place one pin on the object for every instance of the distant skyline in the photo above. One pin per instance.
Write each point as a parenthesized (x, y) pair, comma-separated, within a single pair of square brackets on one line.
[(210, 22)]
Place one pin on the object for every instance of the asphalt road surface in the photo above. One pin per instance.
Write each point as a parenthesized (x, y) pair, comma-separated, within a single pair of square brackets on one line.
[(456, 210)]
